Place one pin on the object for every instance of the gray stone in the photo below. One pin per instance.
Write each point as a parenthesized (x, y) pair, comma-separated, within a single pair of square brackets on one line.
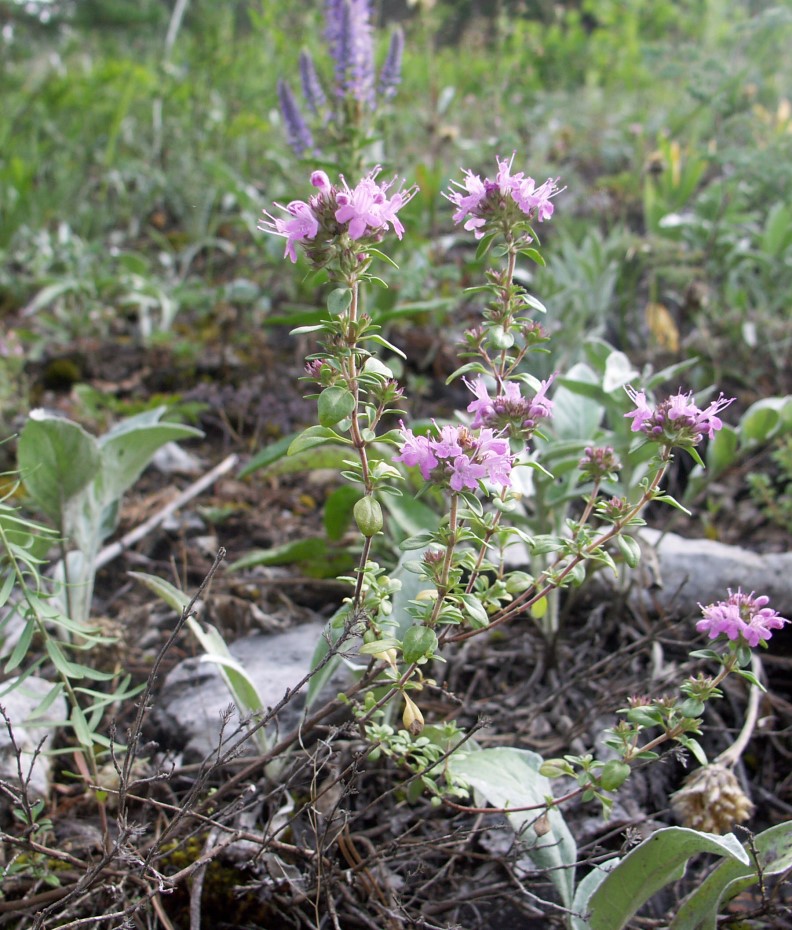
[(690, 572), (20, 704), (194, 697)]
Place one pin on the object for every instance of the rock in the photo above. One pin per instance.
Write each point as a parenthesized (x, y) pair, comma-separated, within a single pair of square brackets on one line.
[(19, 704), (195, 697), (700, 571)]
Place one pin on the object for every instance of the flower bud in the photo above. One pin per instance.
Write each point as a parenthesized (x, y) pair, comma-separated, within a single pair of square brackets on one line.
[(368, 515), (412, 718)]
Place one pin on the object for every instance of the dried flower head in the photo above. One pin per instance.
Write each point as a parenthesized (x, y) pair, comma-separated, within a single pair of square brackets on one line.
[(711, 800)]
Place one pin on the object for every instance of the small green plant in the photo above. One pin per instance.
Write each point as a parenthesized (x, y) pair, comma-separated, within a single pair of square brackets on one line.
[(774, 498), (37, 634), (78, 481)]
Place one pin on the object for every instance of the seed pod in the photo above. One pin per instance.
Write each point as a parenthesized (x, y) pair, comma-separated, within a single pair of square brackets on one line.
[(368, 515)]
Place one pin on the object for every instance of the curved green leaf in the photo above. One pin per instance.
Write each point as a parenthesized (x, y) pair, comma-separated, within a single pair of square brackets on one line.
[(510, 778), (659, 860)]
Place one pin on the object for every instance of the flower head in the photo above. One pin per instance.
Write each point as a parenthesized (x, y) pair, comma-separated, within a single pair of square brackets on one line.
[(336, 214), (457, 458), (300, 226), (676, 421), (509, 410), (741, 616), (503, 203), (366, 208)]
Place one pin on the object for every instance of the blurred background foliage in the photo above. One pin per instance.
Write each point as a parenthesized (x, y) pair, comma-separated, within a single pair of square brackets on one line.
[(140, 139)]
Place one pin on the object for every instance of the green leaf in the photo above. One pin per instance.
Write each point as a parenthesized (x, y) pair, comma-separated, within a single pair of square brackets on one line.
[(630, 550), (339, 300), (381, 256), (335, 404), (722, 450), (509, 777), (385, 345), (269, 454), (761, 421), (699, 911), (333, 631), (130, 446), (315, 436), (576, 416), (419, 642), (659, 860), (474, 609), (411, 516), (22, 645), (338, 510), (586, 888), (172, 596), (57, 460)]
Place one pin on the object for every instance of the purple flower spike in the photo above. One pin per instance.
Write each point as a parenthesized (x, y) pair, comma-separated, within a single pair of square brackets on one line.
[(311, 85), (297, 132), (390, 76), (741, 616)]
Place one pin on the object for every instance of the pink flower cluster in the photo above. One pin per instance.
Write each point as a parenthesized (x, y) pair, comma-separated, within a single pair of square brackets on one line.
[(507, 197), (676, 421), (362, 213), (742, 615), (457, 457), (509, 409)]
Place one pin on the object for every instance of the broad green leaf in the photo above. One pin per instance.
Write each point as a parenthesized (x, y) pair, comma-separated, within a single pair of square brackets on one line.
[(332, 633), (57, 460), (618, 372), (129, 447), (411, 516), (314, 555), (510, 778), (586, 888), (699, 911), (576, 416), (330, 456), (268, 455), (659, 860), (338, 510), (761, 420), (722, 450)]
